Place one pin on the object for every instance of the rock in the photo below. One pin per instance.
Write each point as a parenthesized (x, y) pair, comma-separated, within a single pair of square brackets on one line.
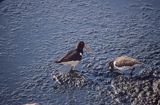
[(72, 78)]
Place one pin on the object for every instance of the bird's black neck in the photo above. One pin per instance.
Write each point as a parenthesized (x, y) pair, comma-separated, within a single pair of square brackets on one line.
[(111, 65), (80, 50)]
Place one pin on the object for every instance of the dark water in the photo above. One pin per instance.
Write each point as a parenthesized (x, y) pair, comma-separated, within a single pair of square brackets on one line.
[(35, 32)]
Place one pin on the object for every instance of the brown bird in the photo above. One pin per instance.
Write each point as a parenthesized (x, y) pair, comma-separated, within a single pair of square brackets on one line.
[(123, 63), (73, 57)]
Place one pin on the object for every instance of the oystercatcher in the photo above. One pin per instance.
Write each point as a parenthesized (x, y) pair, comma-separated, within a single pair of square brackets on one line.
[(123, 63), (73, 57)]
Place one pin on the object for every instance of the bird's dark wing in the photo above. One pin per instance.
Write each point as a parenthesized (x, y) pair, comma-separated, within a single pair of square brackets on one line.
[(72, 55)]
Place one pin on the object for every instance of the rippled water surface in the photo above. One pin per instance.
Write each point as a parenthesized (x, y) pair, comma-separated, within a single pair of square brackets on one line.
[(34, 33)]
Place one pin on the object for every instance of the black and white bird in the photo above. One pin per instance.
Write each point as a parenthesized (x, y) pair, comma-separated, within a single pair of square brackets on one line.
[(74, 57), (123, 63)]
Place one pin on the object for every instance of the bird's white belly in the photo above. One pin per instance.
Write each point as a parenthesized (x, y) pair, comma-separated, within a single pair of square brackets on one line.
[(72, 63), (123, 68)]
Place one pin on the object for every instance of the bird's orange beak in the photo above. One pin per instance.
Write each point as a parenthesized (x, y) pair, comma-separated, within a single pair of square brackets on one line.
[(88, 49)]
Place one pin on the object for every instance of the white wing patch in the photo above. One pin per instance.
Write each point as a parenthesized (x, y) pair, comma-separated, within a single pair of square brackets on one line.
[(80, 54)]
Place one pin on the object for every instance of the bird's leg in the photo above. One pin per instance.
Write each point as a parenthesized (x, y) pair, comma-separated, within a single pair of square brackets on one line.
[(72, 68), (122, 74)]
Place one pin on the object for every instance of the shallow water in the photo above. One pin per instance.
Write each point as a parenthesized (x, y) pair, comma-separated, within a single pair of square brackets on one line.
[(35, 33)]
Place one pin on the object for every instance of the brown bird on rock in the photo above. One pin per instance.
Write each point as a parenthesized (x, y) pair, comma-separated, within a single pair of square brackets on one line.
[(123, 63)]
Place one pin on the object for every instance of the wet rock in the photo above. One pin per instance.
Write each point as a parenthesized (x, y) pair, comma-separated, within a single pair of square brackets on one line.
[(156, 86), (156, 74), (136, 92), (72, 78)]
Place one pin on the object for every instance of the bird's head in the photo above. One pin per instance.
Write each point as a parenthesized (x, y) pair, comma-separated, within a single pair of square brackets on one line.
[(111, 65), (82, 45)]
